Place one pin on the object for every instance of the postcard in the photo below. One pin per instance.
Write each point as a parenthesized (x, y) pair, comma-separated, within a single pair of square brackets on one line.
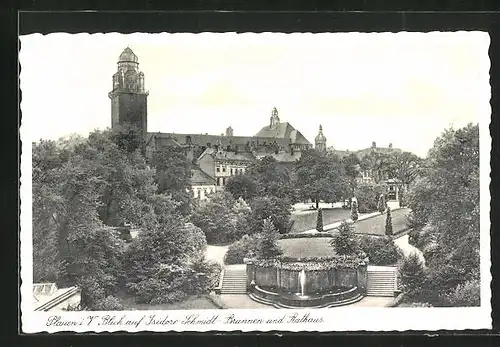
[(255, 182)]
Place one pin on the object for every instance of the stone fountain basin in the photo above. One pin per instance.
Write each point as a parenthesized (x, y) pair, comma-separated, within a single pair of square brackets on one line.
[(284, 297)]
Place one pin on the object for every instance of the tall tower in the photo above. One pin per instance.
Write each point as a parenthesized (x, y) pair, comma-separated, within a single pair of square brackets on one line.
[(128, 97), (275, 119), (320, 141)]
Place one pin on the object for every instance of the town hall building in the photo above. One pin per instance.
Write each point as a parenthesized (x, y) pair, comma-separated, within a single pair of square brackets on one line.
[(216, 157)]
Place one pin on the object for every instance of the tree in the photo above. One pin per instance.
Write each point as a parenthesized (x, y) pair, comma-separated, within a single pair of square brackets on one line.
[(270, 207), (319, 220), (446, 200), (378, 164), (68, 187), (404, 166), (242, 214), (173, 175), (321, 177), (354, 210), (268, 246), (388, 223), (412, 275), (215, 216), (242, 186), (271, 179), (129, 138), (160, 262), (352, 167), (345, 242), (128, 181), (381, 203)]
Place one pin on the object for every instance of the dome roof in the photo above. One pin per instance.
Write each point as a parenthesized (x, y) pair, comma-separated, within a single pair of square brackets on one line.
[(320, 137), (128, 56)]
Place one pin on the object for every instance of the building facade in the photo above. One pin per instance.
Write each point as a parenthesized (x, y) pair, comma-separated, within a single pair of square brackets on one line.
[(215, 158)]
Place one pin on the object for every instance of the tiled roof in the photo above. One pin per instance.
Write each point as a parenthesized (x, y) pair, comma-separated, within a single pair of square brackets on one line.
[(198, 177), (283, 131), (282, 156), (227, 155)]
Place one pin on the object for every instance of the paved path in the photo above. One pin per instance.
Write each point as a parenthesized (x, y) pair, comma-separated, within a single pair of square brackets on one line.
[(216, 253), (407, 249)]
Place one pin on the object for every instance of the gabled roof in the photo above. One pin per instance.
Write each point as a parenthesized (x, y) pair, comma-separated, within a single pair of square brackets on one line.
[(199, 178), (283, 131)]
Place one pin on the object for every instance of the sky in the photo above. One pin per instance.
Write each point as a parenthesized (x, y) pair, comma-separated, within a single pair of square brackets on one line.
[(399, 88)]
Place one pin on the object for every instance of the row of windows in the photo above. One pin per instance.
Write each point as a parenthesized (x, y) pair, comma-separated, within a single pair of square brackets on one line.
[(221, 181), (197, 192), (232, 171)]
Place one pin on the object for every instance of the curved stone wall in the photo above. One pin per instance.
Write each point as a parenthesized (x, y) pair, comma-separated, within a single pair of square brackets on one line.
[(321, 286)]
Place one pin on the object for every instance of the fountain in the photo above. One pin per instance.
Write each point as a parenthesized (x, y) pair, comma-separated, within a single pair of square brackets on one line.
[(302, 280)]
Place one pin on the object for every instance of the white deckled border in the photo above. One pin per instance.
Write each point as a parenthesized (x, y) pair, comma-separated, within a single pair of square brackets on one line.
[(334, 319)]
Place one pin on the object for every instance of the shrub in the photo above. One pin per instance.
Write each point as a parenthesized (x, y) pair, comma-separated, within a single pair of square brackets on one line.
[(367, 195), (381, 250), (354, 211), (268, 247), (412, 275), (388, 223), (413, 237), (319, 220), (245, 247), (205, 277), (305, 236), (345, 242), (110, 303), (465, 295)]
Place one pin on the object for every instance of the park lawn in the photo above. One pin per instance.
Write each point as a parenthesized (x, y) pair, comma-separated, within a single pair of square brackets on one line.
[(307, 221), (307, 247), (191, 303), (376, 225)]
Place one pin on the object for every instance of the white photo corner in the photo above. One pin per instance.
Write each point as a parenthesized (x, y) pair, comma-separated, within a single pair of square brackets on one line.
[(255, 182)]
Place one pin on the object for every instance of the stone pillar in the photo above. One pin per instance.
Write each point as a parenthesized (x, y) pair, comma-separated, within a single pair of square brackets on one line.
[(250, 273), (362, 274)]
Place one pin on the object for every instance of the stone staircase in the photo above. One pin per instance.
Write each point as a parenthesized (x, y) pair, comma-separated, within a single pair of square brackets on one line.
[(234, 280), (382, 281)]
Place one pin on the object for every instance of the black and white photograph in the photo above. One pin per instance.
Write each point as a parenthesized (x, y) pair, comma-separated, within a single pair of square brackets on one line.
[(224, 181)]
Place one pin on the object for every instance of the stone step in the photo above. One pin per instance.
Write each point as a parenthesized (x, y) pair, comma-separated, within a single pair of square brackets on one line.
[(384, 295), (282, 306), (233, 291), (381, 275)]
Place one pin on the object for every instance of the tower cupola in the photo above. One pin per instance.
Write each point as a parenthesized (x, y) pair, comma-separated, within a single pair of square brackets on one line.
[(320, 141), (275, 119), (128, 96)]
